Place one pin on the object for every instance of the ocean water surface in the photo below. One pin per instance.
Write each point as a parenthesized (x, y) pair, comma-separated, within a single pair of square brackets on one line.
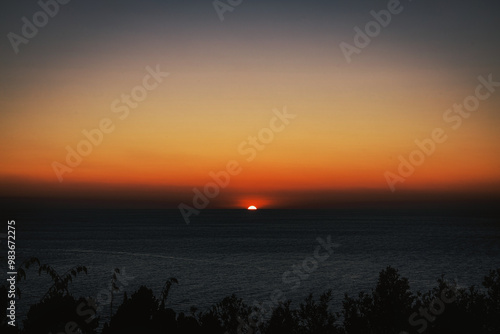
[(247, 253)]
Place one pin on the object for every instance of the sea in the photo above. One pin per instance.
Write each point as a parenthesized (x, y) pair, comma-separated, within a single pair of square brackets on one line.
[(251, 254)]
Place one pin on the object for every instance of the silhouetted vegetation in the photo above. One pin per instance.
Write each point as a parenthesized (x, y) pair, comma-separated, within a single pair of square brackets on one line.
[(390, 308)]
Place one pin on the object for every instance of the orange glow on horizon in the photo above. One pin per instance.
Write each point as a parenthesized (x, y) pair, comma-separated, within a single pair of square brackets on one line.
[(352, 124)]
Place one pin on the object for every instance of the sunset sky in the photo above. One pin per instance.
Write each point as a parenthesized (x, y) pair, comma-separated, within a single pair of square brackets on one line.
[(227, 80)]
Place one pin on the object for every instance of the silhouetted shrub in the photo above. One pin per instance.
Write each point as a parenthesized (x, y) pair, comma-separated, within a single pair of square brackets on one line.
[(315, 317), (390, 308), (311, 317), (58, 313), (135, 314), (385, 310), (229, 315), (283, 320)]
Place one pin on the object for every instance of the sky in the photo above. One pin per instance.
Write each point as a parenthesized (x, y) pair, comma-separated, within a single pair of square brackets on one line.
[(213, 85)]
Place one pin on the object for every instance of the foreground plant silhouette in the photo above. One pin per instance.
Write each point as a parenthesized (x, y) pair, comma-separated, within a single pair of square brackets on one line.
[(56, 309), (390, 308)]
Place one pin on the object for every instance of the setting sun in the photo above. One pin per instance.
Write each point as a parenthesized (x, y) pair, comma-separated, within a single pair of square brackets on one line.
[(252, 207)]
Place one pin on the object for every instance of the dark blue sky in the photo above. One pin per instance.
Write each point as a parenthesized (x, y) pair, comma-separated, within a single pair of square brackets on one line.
[(462, 33)]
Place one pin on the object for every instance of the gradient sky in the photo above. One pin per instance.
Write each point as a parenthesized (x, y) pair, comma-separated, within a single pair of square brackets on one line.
[(353, 120)]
